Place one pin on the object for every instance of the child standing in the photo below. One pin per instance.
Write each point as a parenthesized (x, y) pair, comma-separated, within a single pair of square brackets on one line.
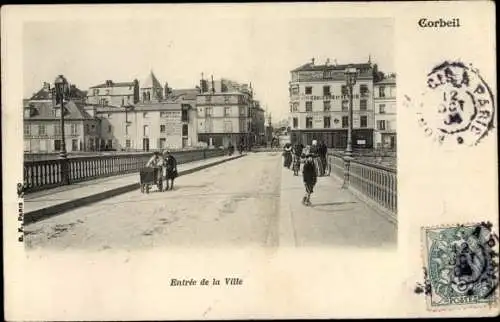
[(310, 177)]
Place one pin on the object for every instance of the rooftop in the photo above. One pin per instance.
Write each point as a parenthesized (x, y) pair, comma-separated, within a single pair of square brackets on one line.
[(110, 83), (312, 67), (151, 81), (45, 111), (387, 81)]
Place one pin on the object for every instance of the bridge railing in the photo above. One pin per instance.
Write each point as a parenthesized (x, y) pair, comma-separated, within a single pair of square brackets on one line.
[(46, 174), (376, 182)]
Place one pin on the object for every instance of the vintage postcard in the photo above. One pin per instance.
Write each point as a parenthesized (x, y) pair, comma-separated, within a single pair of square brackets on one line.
[(250, 161)]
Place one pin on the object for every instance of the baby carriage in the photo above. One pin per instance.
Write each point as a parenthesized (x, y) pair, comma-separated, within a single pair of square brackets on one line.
[(151, 176)]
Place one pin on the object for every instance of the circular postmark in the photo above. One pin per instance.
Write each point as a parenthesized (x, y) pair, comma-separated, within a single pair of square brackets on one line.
[(457, 106)]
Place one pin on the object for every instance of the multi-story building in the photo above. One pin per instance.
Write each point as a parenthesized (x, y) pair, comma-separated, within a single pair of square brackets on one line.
[(225, 110), (114, 94), (155, 122), (385, 113), (319, 105), (42, 123)]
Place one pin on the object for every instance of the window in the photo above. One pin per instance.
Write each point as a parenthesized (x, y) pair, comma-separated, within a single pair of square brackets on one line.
[(109, 128), (127, 129), (327, 106), (185, 116), (326, 122), (57, 129), (27, 145), (162, 128), (326, 91), (163, 114), (208, 99), (242, 111), (145, 131), (208, 111), (381, 91), (381, 108), (57, 145), (363, 121), (227, 111), (109, 144), (295, 122), (309, 90), (381, 125), (127, 143), (309, 122), (345, 121), (185, 130), (345, 105), (295, 107), (295, 90), (74, 145), (145, 114), (74, 129), (363, 89), (27, 129), (228, 127), (226, 99), (163, 143), (363, 105), (123, 101), (344, 90), (87, 129), (309, 106)]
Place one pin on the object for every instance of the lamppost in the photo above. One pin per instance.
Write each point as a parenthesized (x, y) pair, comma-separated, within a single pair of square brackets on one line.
[(61, 86), (351, 75)]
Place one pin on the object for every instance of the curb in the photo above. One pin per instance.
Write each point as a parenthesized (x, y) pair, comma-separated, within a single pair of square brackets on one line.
[(44, 213)]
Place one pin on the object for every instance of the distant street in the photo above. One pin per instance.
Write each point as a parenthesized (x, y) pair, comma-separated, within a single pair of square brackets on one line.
[(233, 204)]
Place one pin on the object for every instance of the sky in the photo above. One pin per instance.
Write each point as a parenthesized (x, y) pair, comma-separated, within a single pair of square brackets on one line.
[(261, 51)]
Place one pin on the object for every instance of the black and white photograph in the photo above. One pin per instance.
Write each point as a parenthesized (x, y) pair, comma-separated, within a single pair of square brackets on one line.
[(132, 141)]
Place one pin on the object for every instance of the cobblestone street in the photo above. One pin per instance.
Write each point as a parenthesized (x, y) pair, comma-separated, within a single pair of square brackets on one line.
[(234, 204)]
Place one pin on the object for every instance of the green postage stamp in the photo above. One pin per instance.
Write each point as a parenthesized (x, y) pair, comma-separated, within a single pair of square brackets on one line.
[(461, 266)]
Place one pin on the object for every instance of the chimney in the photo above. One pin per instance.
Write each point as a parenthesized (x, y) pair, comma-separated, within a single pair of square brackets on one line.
[(213, 85), (327, 62), (312, 61), (46, 86)]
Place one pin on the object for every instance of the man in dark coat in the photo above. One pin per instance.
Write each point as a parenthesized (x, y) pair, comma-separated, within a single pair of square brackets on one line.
[(310, 178)]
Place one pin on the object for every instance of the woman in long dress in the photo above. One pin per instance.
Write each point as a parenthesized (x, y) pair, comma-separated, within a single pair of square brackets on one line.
[(320, 170)]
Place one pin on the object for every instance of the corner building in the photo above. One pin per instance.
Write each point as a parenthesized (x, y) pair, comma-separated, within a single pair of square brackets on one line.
[(319, 105)]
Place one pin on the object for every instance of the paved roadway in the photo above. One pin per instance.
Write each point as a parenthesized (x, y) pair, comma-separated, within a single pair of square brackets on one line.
[(233, 204)]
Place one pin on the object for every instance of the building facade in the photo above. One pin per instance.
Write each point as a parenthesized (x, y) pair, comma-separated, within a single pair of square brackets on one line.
[(319, 105), (226, 113), (385, 113), (42, 122), (114, 94)]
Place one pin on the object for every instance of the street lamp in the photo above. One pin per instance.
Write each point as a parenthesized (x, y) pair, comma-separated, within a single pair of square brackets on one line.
[(351, 75), (61, 86)]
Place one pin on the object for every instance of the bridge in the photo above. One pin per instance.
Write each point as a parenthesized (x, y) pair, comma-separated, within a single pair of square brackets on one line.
[(218, 200)]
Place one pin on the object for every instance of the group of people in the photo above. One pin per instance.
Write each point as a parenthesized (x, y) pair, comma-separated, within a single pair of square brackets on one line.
[(167, 162), (230, 148), (314, 159)]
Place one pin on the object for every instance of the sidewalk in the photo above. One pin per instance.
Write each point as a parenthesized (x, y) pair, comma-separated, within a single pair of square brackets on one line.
[(50, 202), (336, 217)]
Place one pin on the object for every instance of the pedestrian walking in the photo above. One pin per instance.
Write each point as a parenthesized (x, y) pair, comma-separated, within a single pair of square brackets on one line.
[(297, 153), (170, 165), (287, 156), (315, 151), (309, 177)]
